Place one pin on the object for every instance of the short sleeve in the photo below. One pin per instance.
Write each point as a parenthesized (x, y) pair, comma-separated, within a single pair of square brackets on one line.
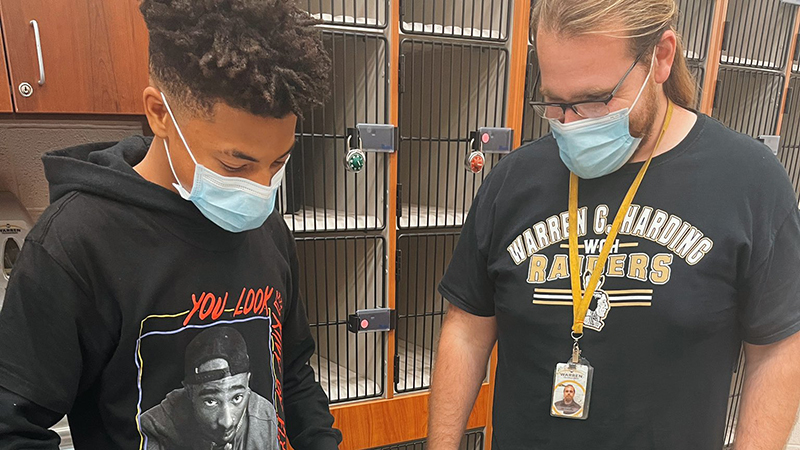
[(466, 283), (770, 301), (50, 340)]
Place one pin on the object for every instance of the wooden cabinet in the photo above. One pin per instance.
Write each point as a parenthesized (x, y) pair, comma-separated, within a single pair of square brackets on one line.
[(93, 55), (5, 92)]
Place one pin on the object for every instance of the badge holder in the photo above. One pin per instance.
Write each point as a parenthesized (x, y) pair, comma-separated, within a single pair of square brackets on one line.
[(572, 387)]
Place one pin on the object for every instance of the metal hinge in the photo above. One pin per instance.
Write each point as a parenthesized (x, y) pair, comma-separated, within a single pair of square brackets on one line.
[(398, 263), (796, 48), (726, 35), (401, 64), (399, 204), (788, 99)]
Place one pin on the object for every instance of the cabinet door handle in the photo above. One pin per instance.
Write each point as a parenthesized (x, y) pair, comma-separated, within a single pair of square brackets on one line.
[(39, 51)]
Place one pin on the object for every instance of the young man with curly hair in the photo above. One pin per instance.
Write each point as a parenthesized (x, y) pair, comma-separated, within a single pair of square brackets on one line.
[(151, 245)]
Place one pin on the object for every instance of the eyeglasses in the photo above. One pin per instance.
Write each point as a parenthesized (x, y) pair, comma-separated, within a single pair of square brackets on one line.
[(586, 110)]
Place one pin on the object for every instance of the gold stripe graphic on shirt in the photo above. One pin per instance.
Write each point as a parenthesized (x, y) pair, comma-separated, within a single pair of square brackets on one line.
[(619, 292), (614, 304), (617, 298)]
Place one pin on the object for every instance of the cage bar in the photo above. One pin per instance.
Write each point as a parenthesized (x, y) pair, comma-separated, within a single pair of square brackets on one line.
[(698, 71), (447, 90), (764, 46), (357, 13), (422, 261), (789, 153), (318, 193), (534, 126), (471, 19), (473, 440), (339, 276), (732, 416), (695, 19), (748, 100)]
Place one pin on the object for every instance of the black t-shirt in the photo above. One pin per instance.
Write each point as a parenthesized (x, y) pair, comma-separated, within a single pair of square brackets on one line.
[(116, 282), (707, 257)]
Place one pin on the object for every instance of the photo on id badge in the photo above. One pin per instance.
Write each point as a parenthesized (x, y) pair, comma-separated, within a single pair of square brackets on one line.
[(571, 391)]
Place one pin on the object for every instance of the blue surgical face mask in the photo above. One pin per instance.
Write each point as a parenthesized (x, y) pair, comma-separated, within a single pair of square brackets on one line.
[(234, 204), (592, 148)]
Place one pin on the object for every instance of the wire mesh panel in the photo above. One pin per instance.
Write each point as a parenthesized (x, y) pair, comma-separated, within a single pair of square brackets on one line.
[(694, 26), (732, 417), (698, 72), (473, 19), (473, 440), (360, 13), (319, 194), (790, 158), (789, 153), (758, 33), (447, 90), (422, 261), (748, 100), (339, 276), (534, 126)]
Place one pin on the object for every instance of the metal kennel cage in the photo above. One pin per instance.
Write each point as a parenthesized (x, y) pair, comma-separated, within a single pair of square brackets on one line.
[(422, 260), (472, 19), (447, 91), (765, 46), (358, 13), (319, 194), (473, 440), (339, 276), (748, 100)]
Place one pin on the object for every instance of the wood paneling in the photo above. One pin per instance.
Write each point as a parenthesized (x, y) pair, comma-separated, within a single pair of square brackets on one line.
[(519, 61), (94, 53), (5, 87), (391, 219), (712, 67), (789, 68), (401, 419)]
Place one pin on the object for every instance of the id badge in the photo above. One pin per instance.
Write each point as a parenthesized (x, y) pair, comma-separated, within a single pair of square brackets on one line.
[(572, 389)]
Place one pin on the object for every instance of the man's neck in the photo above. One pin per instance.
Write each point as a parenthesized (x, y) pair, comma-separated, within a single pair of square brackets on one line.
[(679, 127)]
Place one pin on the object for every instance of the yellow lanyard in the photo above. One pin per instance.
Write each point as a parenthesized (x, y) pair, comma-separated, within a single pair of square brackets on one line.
[(580, 304)]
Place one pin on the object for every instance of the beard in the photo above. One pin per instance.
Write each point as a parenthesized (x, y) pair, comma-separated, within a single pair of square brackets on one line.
[(644, 116)]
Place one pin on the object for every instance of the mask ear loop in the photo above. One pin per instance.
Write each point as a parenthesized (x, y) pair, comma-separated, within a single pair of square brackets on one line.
[(646, 80), (166, 145), (177, 127), (175, 175)]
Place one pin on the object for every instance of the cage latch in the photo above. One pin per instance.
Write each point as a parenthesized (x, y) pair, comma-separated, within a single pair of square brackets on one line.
[(372, 321)]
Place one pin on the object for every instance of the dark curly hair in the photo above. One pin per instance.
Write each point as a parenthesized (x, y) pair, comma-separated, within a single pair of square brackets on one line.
[(261, 56)]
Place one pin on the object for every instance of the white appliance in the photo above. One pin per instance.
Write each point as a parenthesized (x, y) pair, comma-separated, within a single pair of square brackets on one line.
[(15, 223)]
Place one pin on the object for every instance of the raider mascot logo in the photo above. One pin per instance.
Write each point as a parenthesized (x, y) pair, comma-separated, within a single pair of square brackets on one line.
[(594, 317)]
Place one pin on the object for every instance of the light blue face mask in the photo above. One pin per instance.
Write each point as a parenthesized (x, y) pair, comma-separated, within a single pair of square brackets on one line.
[(592, 148), (234, 204)]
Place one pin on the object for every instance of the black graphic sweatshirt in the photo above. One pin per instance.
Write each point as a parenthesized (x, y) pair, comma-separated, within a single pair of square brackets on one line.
[(151, 327)]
